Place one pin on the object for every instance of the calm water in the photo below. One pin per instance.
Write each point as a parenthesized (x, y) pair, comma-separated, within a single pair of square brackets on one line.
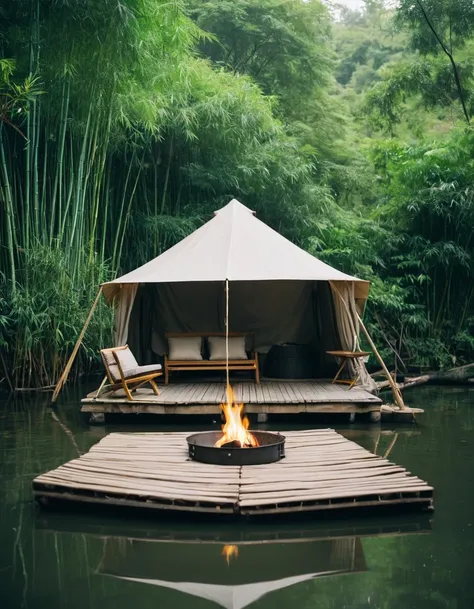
[(53, 560)]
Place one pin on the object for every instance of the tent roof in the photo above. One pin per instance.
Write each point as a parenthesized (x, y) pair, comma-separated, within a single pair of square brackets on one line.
[(237, 246)]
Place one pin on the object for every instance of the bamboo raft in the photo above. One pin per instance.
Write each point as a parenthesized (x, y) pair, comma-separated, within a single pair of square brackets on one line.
[(322, 471)]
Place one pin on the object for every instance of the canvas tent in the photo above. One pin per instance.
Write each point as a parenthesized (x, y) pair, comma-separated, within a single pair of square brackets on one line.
[(278, 292)]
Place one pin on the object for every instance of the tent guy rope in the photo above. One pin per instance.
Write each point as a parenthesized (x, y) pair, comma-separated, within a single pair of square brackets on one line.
[(228, 395)]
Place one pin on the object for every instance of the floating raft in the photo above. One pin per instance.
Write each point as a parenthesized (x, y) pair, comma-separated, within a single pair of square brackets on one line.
[(270, 397), (322, 471)]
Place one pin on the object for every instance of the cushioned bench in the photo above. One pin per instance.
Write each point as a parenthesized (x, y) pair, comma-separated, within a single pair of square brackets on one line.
[(185, 352)]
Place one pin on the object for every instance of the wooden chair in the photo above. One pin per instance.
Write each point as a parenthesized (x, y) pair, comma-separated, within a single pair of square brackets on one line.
[(123, 371)]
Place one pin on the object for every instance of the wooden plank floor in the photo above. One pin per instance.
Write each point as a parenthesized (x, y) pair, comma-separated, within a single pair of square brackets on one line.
[(322, 471), (268, 396)]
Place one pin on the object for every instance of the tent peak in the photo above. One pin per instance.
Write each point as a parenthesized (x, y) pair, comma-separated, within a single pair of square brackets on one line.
[(237, 246), (234, 205)]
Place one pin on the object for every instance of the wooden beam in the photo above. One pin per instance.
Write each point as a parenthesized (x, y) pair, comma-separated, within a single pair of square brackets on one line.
[(67, 369), (137, 407), (396, 392)]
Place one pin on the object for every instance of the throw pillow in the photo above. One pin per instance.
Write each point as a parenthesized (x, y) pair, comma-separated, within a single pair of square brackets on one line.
[(236, 348), (127, 359), (187, 348)]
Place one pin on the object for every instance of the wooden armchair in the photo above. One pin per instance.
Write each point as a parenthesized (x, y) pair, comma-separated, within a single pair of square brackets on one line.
[(123, 371)]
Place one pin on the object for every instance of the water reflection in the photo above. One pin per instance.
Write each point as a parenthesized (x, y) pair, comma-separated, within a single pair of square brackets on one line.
[(192, 565), (201, 569), (56, 561)]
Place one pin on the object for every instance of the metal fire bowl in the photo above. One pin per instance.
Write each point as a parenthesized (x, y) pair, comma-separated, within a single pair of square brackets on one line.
[(271, 448)]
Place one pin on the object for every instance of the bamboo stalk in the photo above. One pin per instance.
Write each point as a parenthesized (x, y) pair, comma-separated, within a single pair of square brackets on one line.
[(65, 211), (105, 209), (115, 261), (127, 216), (9, 214), (27, 179), (36, 202), (7, 377), (99, 179), (58, 180), (396, 392), (165, 187), (44, 197), (80, 187), (63, 377)]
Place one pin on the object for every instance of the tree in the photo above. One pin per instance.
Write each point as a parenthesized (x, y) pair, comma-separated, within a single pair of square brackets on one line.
[(134, 143), (282, 45), (440, 26)]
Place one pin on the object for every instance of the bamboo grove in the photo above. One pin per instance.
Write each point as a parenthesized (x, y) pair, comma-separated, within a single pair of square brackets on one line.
[(124, 139), (125, 123)]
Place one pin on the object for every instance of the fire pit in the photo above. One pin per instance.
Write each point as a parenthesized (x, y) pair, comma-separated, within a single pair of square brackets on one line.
[(202, 447), (235, 444)]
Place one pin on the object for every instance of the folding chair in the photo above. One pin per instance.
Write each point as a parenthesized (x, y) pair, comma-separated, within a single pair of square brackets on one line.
[(123, 371)]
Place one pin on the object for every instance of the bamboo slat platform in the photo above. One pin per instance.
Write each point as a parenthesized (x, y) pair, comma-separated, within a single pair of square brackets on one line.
[(322, 471), (278, 397)]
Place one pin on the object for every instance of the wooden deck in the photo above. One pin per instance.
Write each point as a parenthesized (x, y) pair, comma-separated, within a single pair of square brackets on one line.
[(282, 397), (322, 471)]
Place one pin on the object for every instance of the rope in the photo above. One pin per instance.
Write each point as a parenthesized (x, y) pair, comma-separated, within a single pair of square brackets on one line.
[(227, 339)]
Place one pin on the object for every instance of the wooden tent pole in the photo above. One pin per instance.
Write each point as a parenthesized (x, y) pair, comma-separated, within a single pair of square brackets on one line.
[(64, 375), (104, 380), (396, 392), (228, 394)]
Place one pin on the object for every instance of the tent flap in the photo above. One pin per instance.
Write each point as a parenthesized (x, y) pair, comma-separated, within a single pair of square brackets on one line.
[(348, 325)]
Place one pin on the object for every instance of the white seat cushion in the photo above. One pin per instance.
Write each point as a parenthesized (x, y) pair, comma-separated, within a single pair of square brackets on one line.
[(141, 370), (127, 361), (187, 348), (217, 348), (126, 358)]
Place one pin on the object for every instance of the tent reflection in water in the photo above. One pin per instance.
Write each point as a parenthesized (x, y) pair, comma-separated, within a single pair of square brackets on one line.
[(276, 291), (201, 569)]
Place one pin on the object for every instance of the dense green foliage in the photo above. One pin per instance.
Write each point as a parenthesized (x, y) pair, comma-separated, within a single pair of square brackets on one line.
[(124, 124), (416, 239)]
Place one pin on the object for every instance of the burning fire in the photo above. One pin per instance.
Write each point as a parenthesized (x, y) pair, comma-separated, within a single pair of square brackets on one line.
[(235, 428), (229, 552)]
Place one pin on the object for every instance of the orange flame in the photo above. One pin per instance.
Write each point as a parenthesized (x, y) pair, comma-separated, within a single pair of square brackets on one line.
[(229, 552), (236, 425)]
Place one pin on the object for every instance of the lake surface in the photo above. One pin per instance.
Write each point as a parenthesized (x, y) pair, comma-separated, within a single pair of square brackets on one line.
[(52, 560)]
